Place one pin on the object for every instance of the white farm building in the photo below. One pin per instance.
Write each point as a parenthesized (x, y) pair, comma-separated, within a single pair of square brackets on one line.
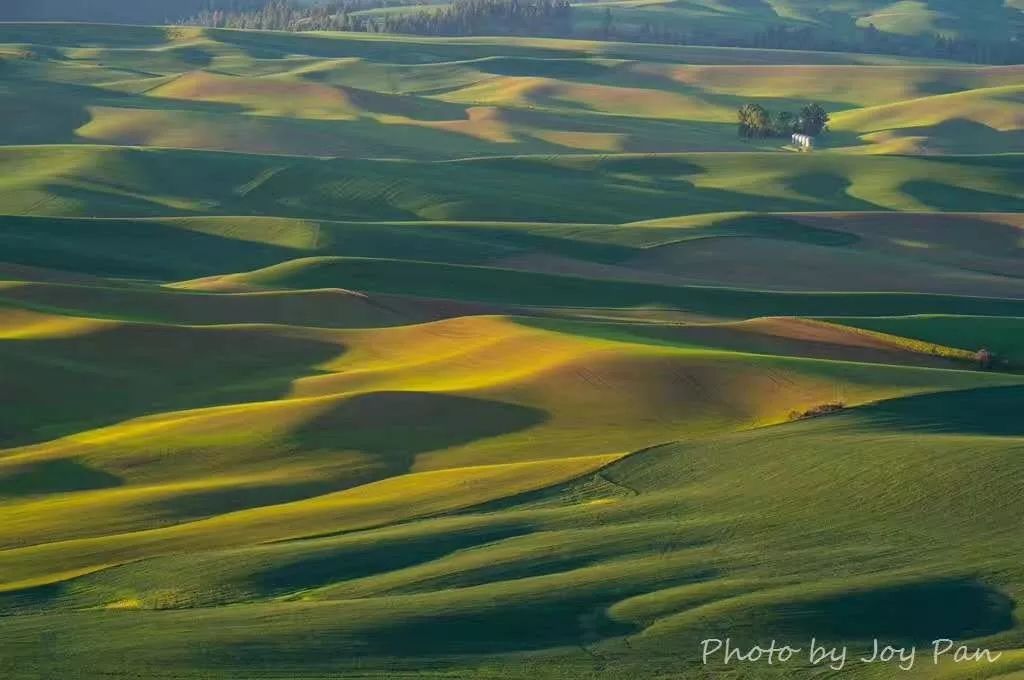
[(803, 142)]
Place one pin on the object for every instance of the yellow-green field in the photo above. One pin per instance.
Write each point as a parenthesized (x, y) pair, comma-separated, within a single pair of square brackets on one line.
[(359, 356), (360, 96)]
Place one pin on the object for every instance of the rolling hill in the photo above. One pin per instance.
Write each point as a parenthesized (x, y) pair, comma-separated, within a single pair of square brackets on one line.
[(353, 96), (340, 355)]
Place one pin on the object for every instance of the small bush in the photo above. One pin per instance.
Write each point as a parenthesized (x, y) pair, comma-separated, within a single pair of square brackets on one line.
[(817, 411)]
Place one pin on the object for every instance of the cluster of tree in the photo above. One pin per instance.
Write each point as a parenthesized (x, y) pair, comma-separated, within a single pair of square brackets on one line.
[(818, 411), (476, 17), (286, 15), (555, 18), (755, 121), (463, 17)]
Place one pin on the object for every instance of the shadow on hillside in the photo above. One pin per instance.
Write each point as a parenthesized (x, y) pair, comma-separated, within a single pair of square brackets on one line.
[(33, 114), (828, 189), (992, 411), (189, 505), (258, 572), (324, 562), (133, 248), (946, 197), (780, 228), (576, 69), (510, 627), (52, 112), (397, 426), (632, 77), (57, 386), (651, 166), (962, 135), (916, 613), (437, 624), (53, 476), (605, 189)]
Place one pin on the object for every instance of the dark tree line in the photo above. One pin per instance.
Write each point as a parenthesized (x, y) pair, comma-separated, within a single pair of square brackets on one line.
[(556, 18), (463, 17), (476, 17), (755, 121), (285, 15)]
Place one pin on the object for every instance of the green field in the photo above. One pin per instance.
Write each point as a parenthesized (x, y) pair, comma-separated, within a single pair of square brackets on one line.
[(363, 356), (364, 96)]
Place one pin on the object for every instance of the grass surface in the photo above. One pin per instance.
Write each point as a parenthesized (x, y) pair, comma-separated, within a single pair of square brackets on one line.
[(361, 96), (335, 355)]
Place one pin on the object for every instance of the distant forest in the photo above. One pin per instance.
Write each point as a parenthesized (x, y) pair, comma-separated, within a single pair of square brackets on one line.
[(555, 18), (497, 17), (463, 17)]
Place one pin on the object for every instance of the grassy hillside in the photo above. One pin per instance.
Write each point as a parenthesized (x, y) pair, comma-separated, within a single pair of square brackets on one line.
[(61, 181), (360, 356), (356, 95)]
